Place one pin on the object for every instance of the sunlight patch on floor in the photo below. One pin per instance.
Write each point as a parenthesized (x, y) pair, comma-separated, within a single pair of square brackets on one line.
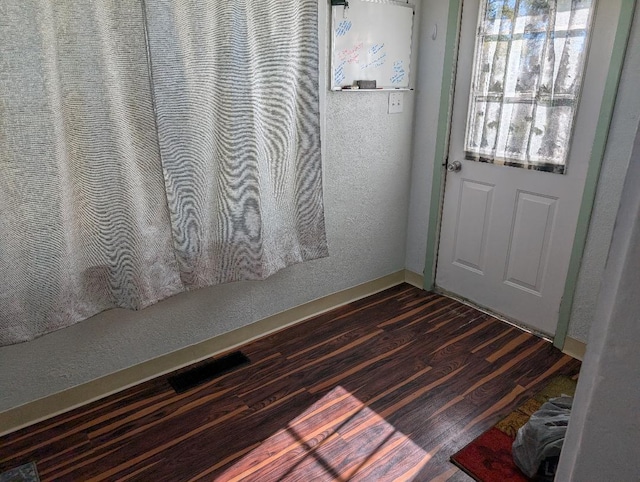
[(313, 447)]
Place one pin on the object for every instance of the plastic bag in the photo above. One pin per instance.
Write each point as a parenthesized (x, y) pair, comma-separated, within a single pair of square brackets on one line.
[(541, 438)]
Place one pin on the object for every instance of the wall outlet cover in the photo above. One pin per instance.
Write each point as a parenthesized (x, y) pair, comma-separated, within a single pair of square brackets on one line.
[(396, 102)]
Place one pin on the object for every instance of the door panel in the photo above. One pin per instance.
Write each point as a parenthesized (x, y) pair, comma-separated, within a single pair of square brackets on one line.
[(474, 212), (507, 232), (530, 240)]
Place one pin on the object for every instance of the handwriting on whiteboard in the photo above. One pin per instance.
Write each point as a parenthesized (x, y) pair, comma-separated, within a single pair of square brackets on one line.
[(376, 48), (371, 41), (343, 28), (351, 55), (399, 73), (339, 75), (377, 62)]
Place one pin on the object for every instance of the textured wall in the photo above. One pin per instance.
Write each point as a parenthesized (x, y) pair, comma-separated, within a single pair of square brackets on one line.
[(428, 87), (614, 169), (366, 169), (604, 431)]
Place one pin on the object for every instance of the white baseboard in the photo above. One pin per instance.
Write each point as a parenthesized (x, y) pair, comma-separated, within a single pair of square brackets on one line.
[(414, 279), (52, 405), (574, 348)]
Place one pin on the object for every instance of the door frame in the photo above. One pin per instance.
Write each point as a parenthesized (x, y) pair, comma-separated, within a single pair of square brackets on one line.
[(595, 163)]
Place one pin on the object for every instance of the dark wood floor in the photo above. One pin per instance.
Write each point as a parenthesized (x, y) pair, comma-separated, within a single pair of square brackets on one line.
[(385, 388)]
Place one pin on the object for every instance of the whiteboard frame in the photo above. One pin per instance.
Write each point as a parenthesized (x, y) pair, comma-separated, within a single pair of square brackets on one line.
[(397, 3)]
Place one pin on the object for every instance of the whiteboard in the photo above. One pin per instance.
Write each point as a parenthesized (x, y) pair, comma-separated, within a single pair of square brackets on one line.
[(371, 40)]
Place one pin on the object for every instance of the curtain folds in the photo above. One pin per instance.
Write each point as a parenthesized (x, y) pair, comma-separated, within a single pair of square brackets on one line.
[(136, 164), (237, 95)]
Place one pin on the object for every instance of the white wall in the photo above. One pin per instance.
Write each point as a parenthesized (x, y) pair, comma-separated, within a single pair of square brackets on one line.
[(367, 166), (614, 168), (428, 87), (604, 431)]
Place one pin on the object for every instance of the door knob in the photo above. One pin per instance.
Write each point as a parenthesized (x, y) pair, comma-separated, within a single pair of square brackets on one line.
[(455, 166)]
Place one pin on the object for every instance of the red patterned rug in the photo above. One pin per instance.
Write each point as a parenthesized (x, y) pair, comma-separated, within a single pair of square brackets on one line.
[(488, 458)]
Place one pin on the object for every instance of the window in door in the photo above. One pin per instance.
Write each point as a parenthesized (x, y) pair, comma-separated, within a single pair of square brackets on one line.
[(529, 62)]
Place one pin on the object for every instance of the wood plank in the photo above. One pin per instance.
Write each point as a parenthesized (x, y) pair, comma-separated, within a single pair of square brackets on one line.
[(384, 388)]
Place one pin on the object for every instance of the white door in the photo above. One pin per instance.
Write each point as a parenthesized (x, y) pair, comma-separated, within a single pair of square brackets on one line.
[(507, 232)]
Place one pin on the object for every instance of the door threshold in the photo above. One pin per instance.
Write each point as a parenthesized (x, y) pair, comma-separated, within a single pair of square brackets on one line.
[(487, 311)]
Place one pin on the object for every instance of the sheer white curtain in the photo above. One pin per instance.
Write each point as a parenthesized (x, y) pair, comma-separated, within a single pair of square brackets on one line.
[(530, 57), (103, 204)]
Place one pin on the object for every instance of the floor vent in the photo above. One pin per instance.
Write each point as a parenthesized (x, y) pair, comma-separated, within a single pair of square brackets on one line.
[(207, 372)]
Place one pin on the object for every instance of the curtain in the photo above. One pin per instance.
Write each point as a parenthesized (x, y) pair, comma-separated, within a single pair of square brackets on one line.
[(236, 89), (122, 184), (530, 58), (83, 216)]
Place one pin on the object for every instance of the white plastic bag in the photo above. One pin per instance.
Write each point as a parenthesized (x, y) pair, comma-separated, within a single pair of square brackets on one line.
[(542, 436)]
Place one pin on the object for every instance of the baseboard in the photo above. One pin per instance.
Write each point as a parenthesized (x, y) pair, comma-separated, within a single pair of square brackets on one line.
[(414, 279), (574, 348), (52, 405)]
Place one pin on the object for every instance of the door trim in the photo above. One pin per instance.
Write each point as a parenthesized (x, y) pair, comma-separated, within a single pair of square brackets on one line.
[(595, 163), (442, 141)]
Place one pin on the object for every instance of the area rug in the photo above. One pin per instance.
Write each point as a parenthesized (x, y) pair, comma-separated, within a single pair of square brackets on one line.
[(24, 473), (488, 458)]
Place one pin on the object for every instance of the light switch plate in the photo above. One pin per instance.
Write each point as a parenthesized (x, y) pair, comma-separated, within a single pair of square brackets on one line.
[(396, 102)]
